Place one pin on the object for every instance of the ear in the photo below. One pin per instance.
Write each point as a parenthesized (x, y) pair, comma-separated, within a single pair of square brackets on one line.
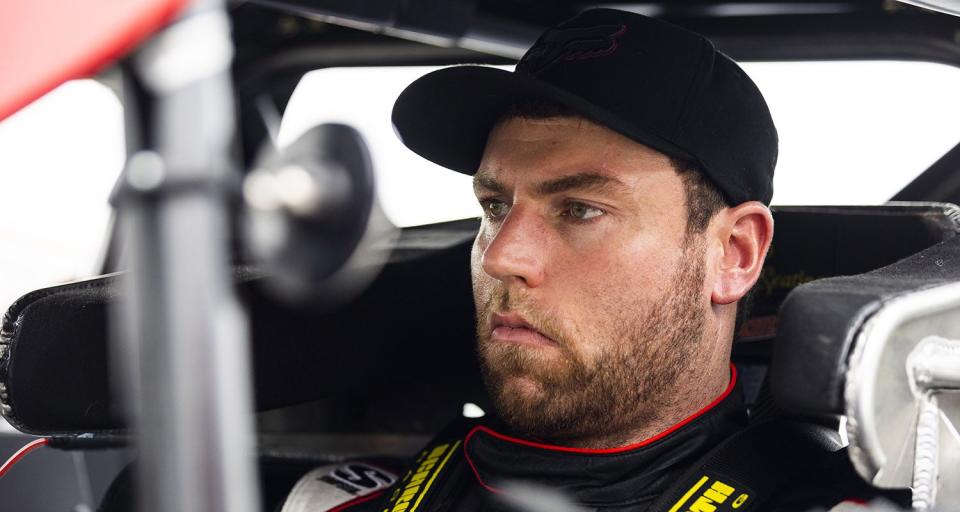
[(744, 233)]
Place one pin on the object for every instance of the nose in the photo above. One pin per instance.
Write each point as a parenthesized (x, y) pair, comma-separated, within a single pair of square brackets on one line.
[(515, 251)]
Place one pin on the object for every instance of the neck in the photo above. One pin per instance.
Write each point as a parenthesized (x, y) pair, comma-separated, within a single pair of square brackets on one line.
[(689, 399)]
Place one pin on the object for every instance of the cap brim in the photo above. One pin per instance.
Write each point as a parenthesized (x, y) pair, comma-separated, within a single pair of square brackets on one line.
[(446, 116)]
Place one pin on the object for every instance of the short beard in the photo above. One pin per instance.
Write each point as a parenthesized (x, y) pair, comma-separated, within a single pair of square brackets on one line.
[(627, 385)]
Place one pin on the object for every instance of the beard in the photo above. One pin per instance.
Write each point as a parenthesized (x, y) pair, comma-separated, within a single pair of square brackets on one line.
[(637, 353)]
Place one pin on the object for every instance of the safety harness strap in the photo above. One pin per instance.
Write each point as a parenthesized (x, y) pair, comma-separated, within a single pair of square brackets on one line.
[(436, 477)]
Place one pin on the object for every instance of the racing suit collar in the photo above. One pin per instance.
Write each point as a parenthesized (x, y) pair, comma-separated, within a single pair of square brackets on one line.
[(614, 478)]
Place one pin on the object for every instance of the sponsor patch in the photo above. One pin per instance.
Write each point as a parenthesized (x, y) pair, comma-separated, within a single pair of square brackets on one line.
[(711, 494), (327, 487)]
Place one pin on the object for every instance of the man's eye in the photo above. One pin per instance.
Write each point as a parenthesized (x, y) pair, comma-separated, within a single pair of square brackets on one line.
[(495, 208), (580, 211)]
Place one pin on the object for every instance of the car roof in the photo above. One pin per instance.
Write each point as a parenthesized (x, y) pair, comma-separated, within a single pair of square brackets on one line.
[(277, 42)]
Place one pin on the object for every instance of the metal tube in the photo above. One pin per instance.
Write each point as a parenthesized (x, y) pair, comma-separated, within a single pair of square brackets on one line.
[(185, 335), (926, 450)]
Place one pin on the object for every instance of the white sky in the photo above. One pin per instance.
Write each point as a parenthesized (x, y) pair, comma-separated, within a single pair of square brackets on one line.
[(59, 158), (851, 133)]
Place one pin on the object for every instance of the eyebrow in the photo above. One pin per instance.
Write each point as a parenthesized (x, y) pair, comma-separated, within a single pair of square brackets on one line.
[(581, 182), (482, 180), (584, 181)]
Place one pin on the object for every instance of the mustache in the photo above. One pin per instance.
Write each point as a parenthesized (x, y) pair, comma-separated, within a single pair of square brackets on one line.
[(501, 301)]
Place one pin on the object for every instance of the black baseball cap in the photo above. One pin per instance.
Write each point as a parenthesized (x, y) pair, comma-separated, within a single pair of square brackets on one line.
[(652, 81)]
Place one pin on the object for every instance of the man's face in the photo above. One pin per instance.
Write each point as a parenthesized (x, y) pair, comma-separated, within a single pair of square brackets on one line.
[(590, 295)]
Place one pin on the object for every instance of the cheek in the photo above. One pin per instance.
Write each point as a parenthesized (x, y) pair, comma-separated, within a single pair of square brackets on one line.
[(619, 271), (614, 289)]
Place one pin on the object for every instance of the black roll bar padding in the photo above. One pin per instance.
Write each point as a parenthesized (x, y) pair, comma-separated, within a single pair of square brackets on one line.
[(399, 339)]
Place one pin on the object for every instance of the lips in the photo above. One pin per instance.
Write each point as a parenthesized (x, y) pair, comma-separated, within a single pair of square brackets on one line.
[(513, 328)]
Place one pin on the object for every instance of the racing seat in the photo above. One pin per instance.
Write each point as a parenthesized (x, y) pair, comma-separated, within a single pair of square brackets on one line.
[(881, 349), (817, 242), (352, 375)]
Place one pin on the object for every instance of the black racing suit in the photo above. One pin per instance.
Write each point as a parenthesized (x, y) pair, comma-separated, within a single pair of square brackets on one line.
[(477, 460), (471, 465)]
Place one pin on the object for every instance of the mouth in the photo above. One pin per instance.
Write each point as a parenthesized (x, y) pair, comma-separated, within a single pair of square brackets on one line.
[(513, 328)]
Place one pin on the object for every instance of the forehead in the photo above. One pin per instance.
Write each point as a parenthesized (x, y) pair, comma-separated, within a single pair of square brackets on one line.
[(530, 149)]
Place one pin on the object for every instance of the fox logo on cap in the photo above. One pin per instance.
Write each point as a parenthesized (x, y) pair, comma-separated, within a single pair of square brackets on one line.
[(572, 43)]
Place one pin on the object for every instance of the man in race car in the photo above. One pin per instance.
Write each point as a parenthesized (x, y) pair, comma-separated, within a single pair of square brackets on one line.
[(624, 170)]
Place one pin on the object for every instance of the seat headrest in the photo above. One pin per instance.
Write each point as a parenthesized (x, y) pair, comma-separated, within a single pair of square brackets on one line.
[(814, 242), (820, 322)]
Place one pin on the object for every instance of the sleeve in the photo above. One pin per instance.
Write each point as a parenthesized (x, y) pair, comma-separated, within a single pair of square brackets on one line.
[(338, 487)]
